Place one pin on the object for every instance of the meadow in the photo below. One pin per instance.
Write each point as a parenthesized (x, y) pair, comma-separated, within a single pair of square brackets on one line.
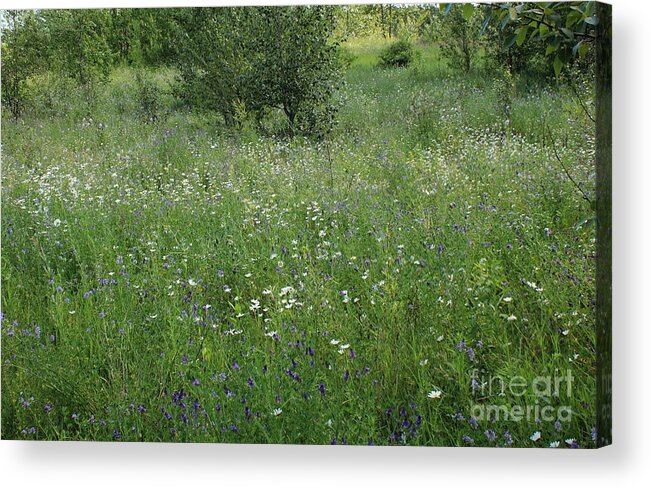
[(408, 280)]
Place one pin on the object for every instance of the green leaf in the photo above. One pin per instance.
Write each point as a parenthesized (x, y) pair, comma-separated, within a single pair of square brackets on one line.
[(505, 21), (521, 34), (513, 13), (550, 49), (510, 41), (573, 18), (468, 10), (558, 66), (486, 22), (568, 33)]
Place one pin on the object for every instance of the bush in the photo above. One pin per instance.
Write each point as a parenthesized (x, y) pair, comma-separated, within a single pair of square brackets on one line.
[(149, 95), (50, 94), (398, 54)]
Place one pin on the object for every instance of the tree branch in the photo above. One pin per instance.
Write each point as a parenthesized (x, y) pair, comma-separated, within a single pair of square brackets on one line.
[(576, 94), (567, 173)]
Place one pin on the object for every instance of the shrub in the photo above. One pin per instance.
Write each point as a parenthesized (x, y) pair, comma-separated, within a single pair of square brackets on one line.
[(398, 54), (149, 95)]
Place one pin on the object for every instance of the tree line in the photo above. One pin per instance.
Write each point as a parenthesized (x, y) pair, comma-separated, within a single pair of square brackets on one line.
[(246, 62)]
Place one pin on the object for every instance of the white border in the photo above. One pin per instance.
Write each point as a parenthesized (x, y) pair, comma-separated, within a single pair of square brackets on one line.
[(105, 464)]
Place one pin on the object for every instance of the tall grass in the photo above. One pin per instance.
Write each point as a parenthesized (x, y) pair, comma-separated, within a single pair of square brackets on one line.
[(167, 280)]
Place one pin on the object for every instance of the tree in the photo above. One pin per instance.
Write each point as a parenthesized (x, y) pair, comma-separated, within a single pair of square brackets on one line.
[(299, 69), (459, 35), (214, 58), (141, 36), (253, 60), (80, 49), (24, 41)]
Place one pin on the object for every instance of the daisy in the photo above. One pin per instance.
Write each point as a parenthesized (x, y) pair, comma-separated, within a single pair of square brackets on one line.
[(535, 436), (434, 394)]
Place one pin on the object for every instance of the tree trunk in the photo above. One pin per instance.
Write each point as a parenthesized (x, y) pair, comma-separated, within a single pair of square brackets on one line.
[(604, 225), (291, 115)]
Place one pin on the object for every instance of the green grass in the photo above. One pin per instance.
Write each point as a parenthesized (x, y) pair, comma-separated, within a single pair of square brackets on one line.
[(429, 241)]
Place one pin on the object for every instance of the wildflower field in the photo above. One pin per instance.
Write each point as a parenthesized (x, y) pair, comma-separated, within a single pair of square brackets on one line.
[(422, 276)]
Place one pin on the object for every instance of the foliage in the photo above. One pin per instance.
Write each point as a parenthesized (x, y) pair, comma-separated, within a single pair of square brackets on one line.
[(149, 97), (502, 52), (459, 37), (299, 69), (213, 63), (23, 41), (81, 50), (142, 37), (398, 54), (566, 29), (228, 60)]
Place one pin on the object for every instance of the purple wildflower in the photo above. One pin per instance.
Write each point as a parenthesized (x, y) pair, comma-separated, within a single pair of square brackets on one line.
[(508, 440), (471, 353), (490, 435)]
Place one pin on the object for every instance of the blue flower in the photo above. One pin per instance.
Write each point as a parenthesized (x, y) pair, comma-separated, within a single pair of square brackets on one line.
[(508, 440)]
